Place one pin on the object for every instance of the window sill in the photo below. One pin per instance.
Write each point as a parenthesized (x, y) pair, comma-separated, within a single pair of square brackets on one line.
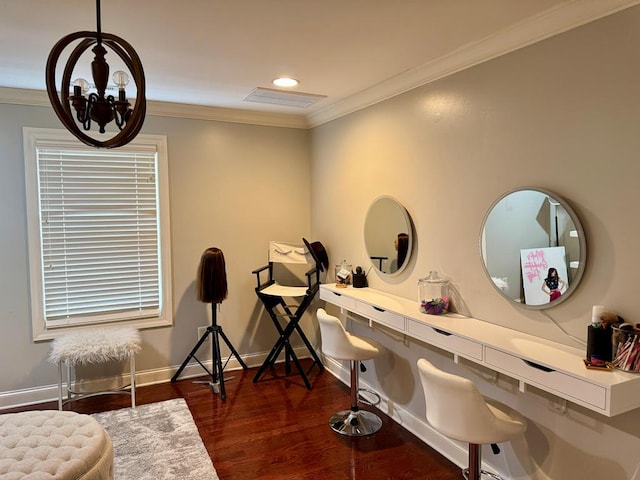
[(45, 334)]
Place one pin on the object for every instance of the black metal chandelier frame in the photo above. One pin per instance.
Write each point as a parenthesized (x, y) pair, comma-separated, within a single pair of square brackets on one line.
[(97, 107)]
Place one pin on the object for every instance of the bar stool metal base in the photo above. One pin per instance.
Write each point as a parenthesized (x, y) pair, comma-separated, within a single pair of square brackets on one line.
[(355, 423), (465, 474)]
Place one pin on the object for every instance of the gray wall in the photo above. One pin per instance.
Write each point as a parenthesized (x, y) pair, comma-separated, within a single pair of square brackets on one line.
[(562, 115), (233, 186)]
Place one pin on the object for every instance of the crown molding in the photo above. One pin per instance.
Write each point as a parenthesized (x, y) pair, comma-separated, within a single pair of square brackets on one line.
[(39, 98), (20, 96), (534, 29), (234, 115)]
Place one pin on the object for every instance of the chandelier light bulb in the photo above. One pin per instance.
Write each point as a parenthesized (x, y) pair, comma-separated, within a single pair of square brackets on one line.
[(121, 79), (80, 86)]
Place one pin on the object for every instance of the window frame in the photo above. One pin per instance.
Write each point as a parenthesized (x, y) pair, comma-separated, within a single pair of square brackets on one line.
[(56, 138)]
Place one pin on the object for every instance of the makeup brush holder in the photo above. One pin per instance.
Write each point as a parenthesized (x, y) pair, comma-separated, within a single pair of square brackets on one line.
[(359, 278), (626, 348)]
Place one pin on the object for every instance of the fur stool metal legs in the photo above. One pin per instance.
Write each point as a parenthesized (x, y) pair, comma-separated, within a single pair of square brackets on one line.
[(92, 346)]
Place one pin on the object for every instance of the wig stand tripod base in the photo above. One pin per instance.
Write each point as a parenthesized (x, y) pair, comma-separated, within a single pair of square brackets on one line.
[(216, 374)]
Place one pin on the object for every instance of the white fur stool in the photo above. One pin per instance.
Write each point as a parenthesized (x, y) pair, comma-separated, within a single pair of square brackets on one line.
[(96, 345), (48, 444)]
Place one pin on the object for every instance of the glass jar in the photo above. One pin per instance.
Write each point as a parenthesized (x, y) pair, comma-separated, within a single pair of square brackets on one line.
[(433, 294), (343, 274)]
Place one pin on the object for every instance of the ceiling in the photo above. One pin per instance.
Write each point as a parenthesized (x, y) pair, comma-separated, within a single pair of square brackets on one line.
[(213, 53)]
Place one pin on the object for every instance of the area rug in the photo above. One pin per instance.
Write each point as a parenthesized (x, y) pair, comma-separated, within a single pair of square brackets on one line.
[(158, 441)]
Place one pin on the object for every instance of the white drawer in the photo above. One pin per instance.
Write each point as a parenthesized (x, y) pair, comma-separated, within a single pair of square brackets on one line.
[(338, 299), (377, 314), (444, 340), (547, 379)]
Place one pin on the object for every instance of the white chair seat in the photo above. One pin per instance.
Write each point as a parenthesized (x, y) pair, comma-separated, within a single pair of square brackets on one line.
[(339, 344), (509, 423), (277, 290)]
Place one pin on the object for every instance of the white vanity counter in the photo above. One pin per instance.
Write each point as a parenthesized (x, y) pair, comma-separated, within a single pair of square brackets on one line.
[(550, 366)]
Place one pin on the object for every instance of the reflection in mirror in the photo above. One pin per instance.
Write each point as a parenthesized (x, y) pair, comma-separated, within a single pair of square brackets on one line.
[(388, 236), (533, 247)]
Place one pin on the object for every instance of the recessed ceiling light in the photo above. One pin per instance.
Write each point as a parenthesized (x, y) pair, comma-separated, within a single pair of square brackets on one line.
[(285, 82)]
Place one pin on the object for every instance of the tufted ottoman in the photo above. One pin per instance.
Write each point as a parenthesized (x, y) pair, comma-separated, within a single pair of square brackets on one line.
[(54, 445)]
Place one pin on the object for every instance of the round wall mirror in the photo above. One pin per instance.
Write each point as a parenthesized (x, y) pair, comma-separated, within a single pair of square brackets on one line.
[(388, 236), (533, 248)]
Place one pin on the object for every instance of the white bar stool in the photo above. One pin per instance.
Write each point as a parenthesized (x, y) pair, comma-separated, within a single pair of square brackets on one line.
[(339, 344), (456, 409)]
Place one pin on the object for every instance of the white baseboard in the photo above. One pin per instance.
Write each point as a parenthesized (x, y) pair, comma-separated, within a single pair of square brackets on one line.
[(48, 393)]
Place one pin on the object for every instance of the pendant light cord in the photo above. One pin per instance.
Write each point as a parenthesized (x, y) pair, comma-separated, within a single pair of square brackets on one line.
[(98, 23)]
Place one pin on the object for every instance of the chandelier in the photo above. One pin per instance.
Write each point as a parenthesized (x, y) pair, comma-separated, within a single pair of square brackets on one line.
[(96, 107)]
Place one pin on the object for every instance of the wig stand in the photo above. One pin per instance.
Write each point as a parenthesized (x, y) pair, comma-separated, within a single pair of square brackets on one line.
[(216, 374)]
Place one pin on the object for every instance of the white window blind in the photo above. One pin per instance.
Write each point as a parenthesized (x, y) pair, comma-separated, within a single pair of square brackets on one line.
[(99, 227), (99, 238)]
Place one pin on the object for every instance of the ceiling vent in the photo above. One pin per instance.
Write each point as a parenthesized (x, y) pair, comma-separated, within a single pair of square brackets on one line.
[(279, 97)]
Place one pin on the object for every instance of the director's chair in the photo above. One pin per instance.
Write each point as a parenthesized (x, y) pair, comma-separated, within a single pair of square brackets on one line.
[(272, 295)]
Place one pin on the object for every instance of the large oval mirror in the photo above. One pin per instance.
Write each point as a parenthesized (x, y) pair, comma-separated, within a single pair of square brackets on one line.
[(388, 236), (533, 247)]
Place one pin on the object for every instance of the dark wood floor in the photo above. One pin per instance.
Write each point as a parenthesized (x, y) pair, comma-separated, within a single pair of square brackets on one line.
[(277, 429)]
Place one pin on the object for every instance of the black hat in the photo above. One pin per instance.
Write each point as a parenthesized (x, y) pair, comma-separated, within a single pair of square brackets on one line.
[(319, 254)]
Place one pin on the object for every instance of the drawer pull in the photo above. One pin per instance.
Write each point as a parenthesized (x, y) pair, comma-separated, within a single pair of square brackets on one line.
[(378, 308), (441, 332), (337, 294), (538, 366)]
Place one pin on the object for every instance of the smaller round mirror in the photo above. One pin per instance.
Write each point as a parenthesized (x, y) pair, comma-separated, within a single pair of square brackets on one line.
[(533, 248), (388, 236)]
